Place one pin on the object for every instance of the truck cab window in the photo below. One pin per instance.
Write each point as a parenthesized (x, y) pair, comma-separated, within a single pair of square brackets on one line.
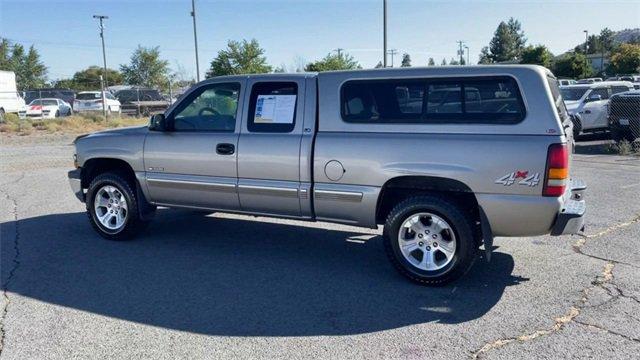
[(272, 107), (210, 108)]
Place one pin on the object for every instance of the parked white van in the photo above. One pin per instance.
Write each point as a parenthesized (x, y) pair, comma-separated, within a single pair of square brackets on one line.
[(590, 101), (10, 99)]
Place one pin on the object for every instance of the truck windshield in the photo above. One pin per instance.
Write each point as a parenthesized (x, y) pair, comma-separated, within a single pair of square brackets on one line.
[(88, 96), (44, 102), (573, 94)]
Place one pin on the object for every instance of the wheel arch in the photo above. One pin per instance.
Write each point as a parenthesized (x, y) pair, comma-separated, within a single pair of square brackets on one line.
[(399, 188), (96, 166)]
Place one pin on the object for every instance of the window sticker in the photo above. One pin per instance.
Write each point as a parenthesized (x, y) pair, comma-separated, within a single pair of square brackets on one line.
[(275, 109)]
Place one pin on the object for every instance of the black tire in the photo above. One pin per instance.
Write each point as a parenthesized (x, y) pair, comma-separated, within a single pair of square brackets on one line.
[(133, 223), (2, 115), (619, 134), (466, 246), (57, 113), (577, 126)]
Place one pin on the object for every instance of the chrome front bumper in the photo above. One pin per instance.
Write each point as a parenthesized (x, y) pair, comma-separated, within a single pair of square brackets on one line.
[(76, 184)]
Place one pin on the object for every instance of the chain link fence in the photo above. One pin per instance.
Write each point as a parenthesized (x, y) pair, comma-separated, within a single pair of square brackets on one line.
[(122, 100), (624, 116)]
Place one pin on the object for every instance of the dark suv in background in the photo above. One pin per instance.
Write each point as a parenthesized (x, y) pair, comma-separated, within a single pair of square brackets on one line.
[(141, 101), (624, 116), (63, 94)]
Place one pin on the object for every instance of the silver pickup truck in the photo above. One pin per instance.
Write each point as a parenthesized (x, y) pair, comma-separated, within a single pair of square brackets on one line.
[(446, 158)]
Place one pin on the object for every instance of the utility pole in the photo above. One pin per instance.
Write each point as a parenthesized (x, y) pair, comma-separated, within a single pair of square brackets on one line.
[(339, 51), (195, 37), (392, 52), (384, 33), (460, 51), (103, 79)]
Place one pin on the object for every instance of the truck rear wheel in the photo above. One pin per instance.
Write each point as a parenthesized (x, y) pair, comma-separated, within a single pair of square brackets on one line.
[(112, 207), (429, 240)]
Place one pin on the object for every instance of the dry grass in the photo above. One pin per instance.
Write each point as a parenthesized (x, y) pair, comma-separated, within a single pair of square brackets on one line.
[(75, 124)]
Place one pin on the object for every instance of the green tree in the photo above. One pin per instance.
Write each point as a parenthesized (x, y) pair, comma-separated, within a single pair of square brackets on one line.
[(240, 57), (146, 68), (454, 62), (537, 55), (89, 79), (516, 30), (572, 65), (406, 60), (506, 45), (17, 64), (485, 56), (444, 62), (607, 39), (379, 65), (33, 73), (431, 62), (5, 54), (341, 61), (625, 59)]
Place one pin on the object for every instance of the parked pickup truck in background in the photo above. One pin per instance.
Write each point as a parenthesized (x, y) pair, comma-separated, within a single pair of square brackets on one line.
[(445, 158), (624, 116), (141, 101)]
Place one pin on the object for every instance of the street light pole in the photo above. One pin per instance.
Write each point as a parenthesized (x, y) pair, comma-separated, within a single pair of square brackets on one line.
[(586, 41), (103, 81), (460, 52), (384, 33), (467, 48), (195, 37)]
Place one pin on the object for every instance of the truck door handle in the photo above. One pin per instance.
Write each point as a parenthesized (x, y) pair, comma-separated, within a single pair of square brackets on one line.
[(587, 111), (225, 149)]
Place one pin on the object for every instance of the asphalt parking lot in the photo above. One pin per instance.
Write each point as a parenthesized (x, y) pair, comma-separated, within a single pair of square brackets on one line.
[(223, 286)]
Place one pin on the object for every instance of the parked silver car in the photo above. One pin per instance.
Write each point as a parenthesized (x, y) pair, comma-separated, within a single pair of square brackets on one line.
[(445, 158)]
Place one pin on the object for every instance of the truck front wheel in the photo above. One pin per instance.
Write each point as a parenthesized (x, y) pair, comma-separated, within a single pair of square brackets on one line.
[(112, 207), (429, 240)]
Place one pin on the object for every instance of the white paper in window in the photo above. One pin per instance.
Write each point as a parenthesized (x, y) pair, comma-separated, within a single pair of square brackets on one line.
[(275, 109)]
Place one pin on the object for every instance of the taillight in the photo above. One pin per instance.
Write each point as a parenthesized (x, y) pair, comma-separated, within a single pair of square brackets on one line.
[(557, 170)]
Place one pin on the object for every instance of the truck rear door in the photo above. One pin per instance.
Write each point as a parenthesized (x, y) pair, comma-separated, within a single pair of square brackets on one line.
[(270, 179)]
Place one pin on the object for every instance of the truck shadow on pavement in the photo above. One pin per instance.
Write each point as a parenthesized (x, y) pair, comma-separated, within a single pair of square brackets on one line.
[(230, 277)]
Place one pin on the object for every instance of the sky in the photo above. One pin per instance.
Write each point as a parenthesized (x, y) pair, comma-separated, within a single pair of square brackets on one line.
[(291, 31)]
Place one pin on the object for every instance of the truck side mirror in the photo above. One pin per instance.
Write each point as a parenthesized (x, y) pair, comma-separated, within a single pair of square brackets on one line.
[(157, 123)]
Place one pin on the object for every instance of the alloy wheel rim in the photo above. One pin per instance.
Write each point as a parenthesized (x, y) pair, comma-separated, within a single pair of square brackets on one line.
[(427, 241), (110, 207)]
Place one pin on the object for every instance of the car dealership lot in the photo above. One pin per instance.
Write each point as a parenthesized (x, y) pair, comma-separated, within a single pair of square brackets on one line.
[(223, 286)]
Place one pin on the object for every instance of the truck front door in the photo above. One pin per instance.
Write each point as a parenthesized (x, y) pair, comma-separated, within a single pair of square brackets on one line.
[(194, 163), (594, 111)]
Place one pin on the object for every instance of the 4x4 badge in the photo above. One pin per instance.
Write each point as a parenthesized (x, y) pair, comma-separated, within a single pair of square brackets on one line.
[(512, 177)]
